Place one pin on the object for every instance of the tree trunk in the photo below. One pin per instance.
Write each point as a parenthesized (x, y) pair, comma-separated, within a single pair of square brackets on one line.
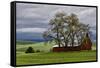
[(72, 40), (66, 44), (58, 38), (78, 40), (66, 40)]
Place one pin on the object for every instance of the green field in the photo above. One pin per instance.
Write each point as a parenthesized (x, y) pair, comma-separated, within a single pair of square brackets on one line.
[(45, 55)]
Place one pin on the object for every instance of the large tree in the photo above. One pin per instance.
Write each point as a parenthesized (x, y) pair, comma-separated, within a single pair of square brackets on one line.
[(65, 29)]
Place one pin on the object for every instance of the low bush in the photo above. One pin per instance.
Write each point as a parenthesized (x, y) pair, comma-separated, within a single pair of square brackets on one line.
[(29, 50)]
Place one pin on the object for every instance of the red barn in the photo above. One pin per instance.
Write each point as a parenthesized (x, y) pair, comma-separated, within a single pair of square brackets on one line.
[(85, 45)]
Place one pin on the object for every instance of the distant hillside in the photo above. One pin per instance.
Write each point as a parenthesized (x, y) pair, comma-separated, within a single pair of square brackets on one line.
[(24, 42)]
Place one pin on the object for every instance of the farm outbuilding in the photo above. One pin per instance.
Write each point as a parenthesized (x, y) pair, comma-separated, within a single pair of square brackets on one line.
[(85, 45)]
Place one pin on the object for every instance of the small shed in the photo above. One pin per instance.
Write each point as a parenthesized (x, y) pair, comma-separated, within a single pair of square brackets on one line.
[(87, 43)]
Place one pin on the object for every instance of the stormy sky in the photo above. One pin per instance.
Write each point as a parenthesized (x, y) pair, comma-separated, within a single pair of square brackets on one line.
[(32, 19)]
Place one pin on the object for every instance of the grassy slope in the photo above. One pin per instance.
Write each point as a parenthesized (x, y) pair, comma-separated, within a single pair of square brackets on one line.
[(49, 57), (36, 46)]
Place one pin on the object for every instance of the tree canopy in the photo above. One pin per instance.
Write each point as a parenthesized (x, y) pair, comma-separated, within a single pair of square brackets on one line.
[(66, 29)]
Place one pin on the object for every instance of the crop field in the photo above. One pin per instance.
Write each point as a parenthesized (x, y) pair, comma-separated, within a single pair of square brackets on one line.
[(46, 56)]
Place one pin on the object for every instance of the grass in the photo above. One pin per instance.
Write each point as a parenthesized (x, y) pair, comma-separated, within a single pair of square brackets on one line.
[(46, 57), (36, 46)]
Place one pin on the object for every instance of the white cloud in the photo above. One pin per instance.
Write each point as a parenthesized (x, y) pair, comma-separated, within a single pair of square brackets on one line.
[(31, 30)]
